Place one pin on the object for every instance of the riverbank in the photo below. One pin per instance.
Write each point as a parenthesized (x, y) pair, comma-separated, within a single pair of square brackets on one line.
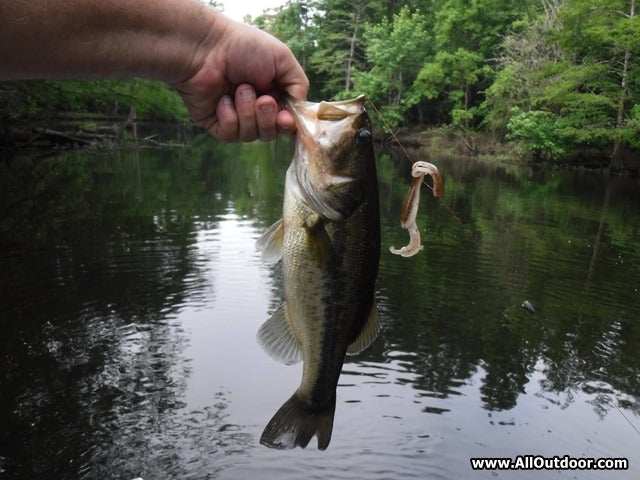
[(490, 146), (71, 131)]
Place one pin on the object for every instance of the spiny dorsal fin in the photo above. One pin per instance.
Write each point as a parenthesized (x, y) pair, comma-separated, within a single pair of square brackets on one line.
[(270, 243), (277, 339), (368, 333)]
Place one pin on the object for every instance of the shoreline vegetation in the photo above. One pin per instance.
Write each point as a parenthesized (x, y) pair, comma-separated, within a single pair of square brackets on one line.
[(91, 131), (530, 81), (76, 130)]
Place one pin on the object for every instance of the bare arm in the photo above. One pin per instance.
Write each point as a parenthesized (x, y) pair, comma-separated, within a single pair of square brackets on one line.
[(216, 64)]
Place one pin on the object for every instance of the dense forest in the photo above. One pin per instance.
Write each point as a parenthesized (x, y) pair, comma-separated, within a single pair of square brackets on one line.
[(553, 78)]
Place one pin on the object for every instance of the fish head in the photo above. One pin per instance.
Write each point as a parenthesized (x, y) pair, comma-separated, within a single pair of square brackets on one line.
[(334, 151)]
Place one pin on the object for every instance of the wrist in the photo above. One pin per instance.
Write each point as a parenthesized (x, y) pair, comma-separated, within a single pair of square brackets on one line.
[(201, 42)]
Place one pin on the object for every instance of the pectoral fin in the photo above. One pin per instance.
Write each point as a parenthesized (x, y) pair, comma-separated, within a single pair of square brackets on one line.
[(368, 333), (270, 243), (319, 243), (277, 339)]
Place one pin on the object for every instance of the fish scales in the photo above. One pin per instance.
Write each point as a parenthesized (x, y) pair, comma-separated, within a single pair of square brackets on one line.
[(329, 242)]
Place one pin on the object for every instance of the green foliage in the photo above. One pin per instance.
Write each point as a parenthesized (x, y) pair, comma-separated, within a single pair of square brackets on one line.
[(461, 63), (393, 66), (293, 24), (577, 62), (503, 96), (539, 132), (46, 99), (631, 132), (452, 76), (339, 47), (153, 100)]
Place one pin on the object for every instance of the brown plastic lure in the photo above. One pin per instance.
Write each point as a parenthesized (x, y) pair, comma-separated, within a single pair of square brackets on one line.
[(411, 202)]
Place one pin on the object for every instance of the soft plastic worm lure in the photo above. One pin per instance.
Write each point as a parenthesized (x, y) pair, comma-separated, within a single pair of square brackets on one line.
[(411, 202)]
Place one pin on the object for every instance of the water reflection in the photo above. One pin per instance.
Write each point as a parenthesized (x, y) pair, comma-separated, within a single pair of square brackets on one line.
[(130, 298), (93, 346), (510, 261)]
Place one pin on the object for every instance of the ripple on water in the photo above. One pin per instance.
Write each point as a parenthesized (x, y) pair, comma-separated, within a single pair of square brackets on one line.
[(170, 444)]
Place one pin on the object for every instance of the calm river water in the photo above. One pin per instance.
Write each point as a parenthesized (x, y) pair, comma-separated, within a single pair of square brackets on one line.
[(131, 292)]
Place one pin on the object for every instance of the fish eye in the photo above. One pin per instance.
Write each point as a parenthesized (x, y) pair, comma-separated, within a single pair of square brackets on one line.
[(363, 134)]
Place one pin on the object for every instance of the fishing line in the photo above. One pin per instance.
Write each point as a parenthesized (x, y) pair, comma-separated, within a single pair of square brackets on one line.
[(410, 158), (474, 240), (465, 228), (625, 417)]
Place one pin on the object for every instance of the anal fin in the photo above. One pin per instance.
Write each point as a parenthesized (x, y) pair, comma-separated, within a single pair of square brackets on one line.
[(368, 333)]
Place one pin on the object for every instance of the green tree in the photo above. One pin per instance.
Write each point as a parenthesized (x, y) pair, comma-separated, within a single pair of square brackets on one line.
[(602, 37), (395, 51), (539, 132), (340, 48), (48, 98), (293, 23), (453, 77), (467, 39), (576, 62), (525, 51)]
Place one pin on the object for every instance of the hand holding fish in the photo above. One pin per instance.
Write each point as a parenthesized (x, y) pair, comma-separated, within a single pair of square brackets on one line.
[(253, 61), (410, 206), (230, 75)]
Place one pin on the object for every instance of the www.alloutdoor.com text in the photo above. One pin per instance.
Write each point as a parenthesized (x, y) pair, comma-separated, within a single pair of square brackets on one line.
[(539, 462)]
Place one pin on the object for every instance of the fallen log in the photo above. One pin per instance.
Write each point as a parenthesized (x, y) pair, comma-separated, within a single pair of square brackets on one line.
[(88, 138), (74, 136)]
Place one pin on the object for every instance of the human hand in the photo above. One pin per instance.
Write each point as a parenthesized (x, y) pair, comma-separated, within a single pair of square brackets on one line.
[(240, 74)]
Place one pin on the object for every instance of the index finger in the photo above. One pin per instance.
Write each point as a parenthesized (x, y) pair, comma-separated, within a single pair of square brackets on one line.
[(293, 80)]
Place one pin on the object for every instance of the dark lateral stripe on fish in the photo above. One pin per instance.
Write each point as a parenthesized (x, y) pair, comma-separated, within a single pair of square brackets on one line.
[(330, 243)]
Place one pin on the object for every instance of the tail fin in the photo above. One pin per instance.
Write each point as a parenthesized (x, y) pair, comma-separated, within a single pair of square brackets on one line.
[(295, 423)]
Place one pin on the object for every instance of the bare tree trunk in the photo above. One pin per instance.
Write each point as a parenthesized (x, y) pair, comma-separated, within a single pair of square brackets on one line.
[(352, 51), (624, 88)]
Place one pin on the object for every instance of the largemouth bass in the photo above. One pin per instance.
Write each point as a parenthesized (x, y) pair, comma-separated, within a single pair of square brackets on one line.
[(329, 242)]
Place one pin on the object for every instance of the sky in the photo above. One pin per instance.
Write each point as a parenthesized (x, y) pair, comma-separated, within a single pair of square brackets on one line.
[(237, 9)]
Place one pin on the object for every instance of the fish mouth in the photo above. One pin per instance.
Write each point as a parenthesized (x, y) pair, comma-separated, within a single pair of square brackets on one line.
[(334, 117), (325, 138)]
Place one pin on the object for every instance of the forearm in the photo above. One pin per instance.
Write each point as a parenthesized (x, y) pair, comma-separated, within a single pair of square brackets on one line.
[(230, 75), (104, 38)]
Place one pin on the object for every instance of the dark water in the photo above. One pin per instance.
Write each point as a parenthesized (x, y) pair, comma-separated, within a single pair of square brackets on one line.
[(131, 292)]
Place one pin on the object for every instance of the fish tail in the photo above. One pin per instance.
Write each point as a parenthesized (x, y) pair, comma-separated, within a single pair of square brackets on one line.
[(296, 422)]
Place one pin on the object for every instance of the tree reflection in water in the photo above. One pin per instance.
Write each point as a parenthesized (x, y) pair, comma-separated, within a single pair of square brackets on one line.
[(100, 258), (97, 268)]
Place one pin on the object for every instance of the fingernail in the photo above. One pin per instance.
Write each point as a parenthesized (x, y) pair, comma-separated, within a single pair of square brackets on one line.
[(226, 100), (268, 108), (247, 94)]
